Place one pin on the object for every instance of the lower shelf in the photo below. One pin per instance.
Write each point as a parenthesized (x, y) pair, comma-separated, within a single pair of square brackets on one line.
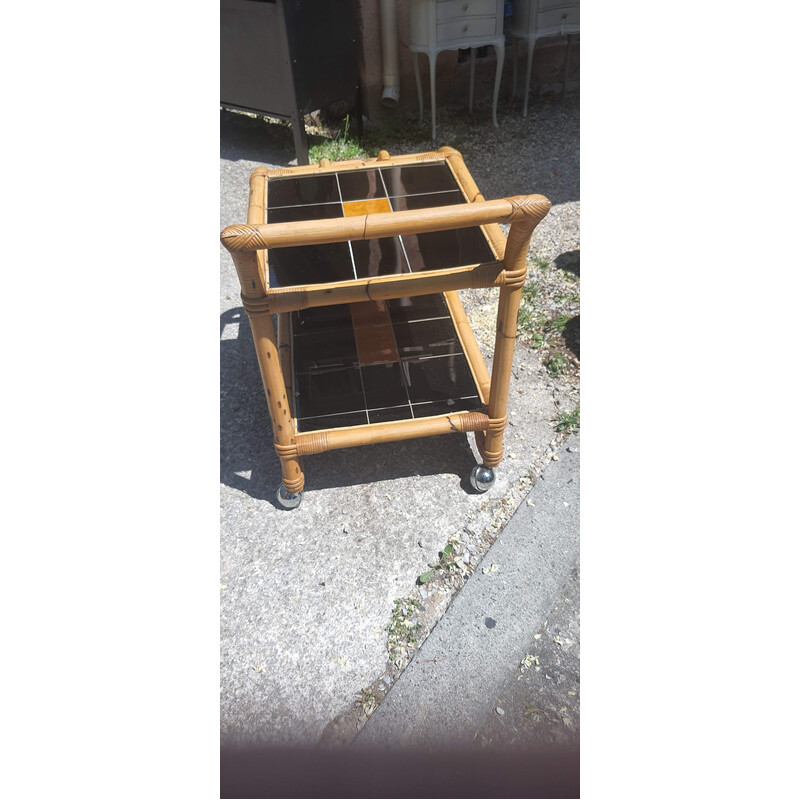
[(359, 365)]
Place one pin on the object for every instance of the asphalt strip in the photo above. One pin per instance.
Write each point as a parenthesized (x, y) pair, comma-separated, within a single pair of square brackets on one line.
[(444, 694)]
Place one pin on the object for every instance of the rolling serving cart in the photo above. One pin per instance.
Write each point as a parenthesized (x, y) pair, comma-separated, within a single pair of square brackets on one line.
[(360, 262)]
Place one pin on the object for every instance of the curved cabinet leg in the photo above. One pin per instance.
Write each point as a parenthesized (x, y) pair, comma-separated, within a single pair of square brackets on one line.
[(531, 45), (415, 59), (513, 68), (432, 60), (471, 77), (500, 49)]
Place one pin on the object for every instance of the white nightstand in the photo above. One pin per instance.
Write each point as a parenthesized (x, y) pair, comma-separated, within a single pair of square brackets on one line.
[(438, 25), (537, 19)]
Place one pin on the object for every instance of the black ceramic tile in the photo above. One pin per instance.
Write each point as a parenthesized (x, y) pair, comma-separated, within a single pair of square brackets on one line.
[(419, 179), (361, 185), (298, 213), (321, 318), (442, 378), (447, 406), (379, 257), (333, 421), (328, 392), (390, 414), (299, 191), (442, 249), (325, 349), (434, 337), (428, 306), (383, 385), (317, 263), (449, 249), (416, 201)]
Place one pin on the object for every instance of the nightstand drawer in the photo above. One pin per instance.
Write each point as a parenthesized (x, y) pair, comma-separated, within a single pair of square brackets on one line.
[(555, 18), (466, 28), (544, 5), (454, 9)]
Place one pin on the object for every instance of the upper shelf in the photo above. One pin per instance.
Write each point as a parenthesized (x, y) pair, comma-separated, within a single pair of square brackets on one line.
[(331, 195)]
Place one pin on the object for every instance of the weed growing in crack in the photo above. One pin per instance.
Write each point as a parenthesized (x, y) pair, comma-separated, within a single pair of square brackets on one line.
[(555, 365), (403, 628), (569, 421)]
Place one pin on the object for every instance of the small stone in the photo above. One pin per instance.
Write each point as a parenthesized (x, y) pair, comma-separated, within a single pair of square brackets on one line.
[(386, 679), (471, 548), (500, 711)]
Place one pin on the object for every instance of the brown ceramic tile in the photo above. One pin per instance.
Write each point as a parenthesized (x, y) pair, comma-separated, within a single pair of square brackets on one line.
[(427, 306), (390, 414), (363, 184), (418, 179), (442, 378), (321, 318), (324, 349), (299, 213), (383, 386), (434, 337), (335, 391), (316, 263), (442, 249), (416, 201), (446, 407), (300, 191), (375, 257), (333, 421), (373, 331)]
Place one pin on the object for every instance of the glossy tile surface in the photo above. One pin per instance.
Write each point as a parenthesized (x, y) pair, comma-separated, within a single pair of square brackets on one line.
[(419, 179), (441, 249), (302, 190), (316, 263), (369, 191), (363, 184), (428, 375), (350, 367), (374, 257), (299, 213)]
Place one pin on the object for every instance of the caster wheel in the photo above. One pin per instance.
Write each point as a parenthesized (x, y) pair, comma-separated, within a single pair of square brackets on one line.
[(286, 499), (482, 478)]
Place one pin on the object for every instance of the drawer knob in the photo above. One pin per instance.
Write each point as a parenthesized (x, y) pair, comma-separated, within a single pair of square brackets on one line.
[(465, 28), (563, 16), (465, 7)]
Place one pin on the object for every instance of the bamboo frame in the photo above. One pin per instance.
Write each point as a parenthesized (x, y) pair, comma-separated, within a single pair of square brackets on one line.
[(248, 243)]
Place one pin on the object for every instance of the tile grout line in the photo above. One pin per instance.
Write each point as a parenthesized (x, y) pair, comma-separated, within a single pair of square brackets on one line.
[(349, 243), (397, 349)]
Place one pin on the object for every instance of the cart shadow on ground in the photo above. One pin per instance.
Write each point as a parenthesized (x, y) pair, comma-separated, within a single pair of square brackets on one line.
[(571, 262), (247, 458)]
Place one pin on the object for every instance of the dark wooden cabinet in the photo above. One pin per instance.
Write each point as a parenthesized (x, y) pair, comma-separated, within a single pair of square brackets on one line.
[(286, 58)]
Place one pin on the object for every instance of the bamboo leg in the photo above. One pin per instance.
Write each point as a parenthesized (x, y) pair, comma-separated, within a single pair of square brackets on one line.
[(278, 402), (524, 219), (255, 304)]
